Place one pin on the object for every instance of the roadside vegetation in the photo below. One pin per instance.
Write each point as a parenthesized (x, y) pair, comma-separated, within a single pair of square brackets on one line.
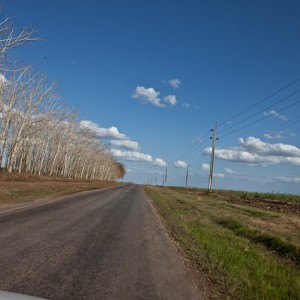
[(236, 249), (39, 132), (15, 188)]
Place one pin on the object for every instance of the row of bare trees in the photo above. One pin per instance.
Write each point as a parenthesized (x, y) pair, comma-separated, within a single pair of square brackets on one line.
[(39, 134)]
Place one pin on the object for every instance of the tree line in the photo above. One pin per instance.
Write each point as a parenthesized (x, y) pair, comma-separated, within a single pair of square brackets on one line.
[(39, 133)]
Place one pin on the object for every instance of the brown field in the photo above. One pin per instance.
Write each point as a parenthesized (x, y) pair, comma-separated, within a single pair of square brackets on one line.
[(21, 188), (279, 203)]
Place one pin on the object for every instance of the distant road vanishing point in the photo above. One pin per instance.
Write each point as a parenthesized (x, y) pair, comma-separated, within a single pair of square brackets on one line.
[(100, 244)]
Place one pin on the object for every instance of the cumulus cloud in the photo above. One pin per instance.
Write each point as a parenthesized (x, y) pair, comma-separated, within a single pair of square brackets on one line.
[(126, 144), (131, 155), (180, 164), (256, 145), (274, 113), (147, 95), (111, 132), (253, 151), (176, 83), (170, 99), (137, 156), (229, 171), (205, 167), (159, 162)]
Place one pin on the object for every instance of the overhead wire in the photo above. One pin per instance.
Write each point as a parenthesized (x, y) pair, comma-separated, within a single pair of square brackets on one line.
[(196, 148), (259, 120), (262, 110), (284, 126), (261, 101)]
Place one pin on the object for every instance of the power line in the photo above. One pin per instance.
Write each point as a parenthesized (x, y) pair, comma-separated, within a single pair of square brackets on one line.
[(262, 110), (256, 121), (197, 151), (259, 102), (286, 125), (194, 149), (195, 146)]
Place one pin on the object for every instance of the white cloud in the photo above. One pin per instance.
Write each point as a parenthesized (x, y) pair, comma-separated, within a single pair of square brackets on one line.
[(288, 179), (219, 175), (275, 114), (126, 144), (147, 95), (131, 155), (205, 167), (176, 83), (185, 105), (159, 162), (111, 132), (180, 164), (170, 99), (137, 156), (229, 171), (278, 135), (268, 136), (121, 140), (253, 151), (256, 145)]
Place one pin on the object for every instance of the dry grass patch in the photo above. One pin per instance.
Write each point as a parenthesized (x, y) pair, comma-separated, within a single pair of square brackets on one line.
[(20, 189)]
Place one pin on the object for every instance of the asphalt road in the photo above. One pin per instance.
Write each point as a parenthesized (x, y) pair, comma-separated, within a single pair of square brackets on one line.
[(101, 244)]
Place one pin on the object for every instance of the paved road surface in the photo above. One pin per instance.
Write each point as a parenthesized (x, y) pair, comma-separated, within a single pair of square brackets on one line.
[(101, 244)]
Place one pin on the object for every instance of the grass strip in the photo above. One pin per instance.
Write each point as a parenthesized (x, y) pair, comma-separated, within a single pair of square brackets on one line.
[(274, 243), (237, 267)]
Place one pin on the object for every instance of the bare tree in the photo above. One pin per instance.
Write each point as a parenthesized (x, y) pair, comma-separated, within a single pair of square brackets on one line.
[(10, 39), (39, 134)]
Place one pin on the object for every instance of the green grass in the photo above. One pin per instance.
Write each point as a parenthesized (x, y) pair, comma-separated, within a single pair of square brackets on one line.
[(247, 253), (274, 243)]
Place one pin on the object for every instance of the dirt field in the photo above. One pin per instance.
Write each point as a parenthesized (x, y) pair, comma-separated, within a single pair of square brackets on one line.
[(276, 205)]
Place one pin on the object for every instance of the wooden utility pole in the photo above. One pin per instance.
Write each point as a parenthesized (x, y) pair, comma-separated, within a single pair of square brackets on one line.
[(211, 172), (166, 176), (187, 175)]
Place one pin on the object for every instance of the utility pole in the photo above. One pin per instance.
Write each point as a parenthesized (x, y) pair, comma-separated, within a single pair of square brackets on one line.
[(166, 175), (211, 172), (187, 175)]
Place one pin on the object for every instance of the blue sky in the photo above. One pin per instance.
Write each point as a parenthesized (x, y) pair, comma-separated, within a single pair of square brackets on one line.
[(151, 78)]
